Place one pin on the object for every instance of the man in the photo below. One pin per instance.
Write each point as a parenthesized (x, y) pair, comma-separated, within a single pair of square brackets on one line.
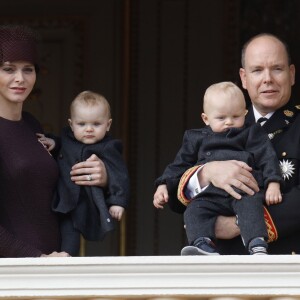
[(268, 76)]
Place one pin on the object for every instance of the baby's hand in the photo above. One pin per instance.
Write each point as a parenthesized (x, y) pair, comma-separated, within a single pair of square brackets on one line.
[(161, 196), (116, 212), (48, 143), (273, 194)]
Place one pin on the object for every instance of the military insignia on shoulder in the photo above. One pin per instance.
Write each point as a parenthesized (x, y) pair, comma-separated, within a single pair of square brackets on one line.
[(272, 134), (287, 169), (288, 113)]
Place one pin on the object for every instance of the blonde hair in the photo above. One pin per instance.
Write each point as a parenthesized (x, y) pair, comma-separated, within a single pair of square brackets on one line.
[(227, 88), (90, 98)]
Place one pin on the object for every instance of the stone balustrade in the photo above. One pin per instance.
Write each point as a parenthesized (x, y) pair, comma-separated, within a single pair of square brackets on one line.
[(152, 278)]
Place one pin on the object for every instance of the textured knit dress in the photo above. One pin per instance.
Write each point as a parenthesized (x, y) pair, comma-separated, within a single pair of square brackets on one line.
[(28, 176)]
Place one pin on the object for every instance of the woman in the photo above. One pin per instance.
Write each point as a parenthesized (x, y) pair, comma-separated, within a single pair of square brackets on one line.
[(28, 174)]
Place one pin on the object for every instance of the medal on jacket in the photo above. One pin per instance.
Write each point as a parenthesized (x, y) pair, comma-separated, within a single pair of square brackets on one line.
[(287, 169)]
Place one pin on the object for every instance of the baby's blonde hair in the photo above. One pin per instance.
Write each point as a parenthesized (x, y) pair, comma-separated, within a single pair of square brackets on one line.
[(90, 98), (225, 87)]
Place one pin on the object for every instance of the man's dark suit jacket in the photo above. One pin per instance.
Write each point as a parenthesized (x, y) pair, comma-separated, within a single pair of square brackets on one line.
[(283, 129)]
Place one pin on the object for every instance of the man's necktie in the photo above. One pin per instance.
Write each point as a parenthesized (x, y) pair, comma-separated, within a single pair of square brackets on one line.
[(262, 121)]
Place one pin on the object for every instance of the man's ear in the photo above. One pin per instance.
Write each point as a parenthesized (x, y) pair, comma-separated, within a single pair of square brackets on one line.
[(292, 74), (204, 118), (243, 78)]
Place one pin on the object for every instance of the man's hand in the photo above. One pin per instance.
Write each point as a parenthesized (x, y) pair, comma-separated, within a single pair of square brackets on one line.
[(91, 172), (227, 175), (226, 228)]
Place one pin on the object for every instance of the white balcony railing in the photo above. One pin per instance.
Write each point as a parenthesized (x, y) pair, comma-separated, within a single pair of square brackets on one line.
[(151, 277)]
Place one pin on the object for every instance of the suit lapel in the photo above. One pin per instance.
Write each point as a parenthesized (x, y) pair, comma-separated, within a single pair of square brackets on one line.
[(279, 121), (276, 122)]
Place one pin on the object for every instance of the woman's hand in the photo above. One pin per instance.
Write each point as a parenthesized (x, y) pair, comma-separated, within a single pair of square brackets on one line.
[(48, 143), (56, 254), (91, 172)]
